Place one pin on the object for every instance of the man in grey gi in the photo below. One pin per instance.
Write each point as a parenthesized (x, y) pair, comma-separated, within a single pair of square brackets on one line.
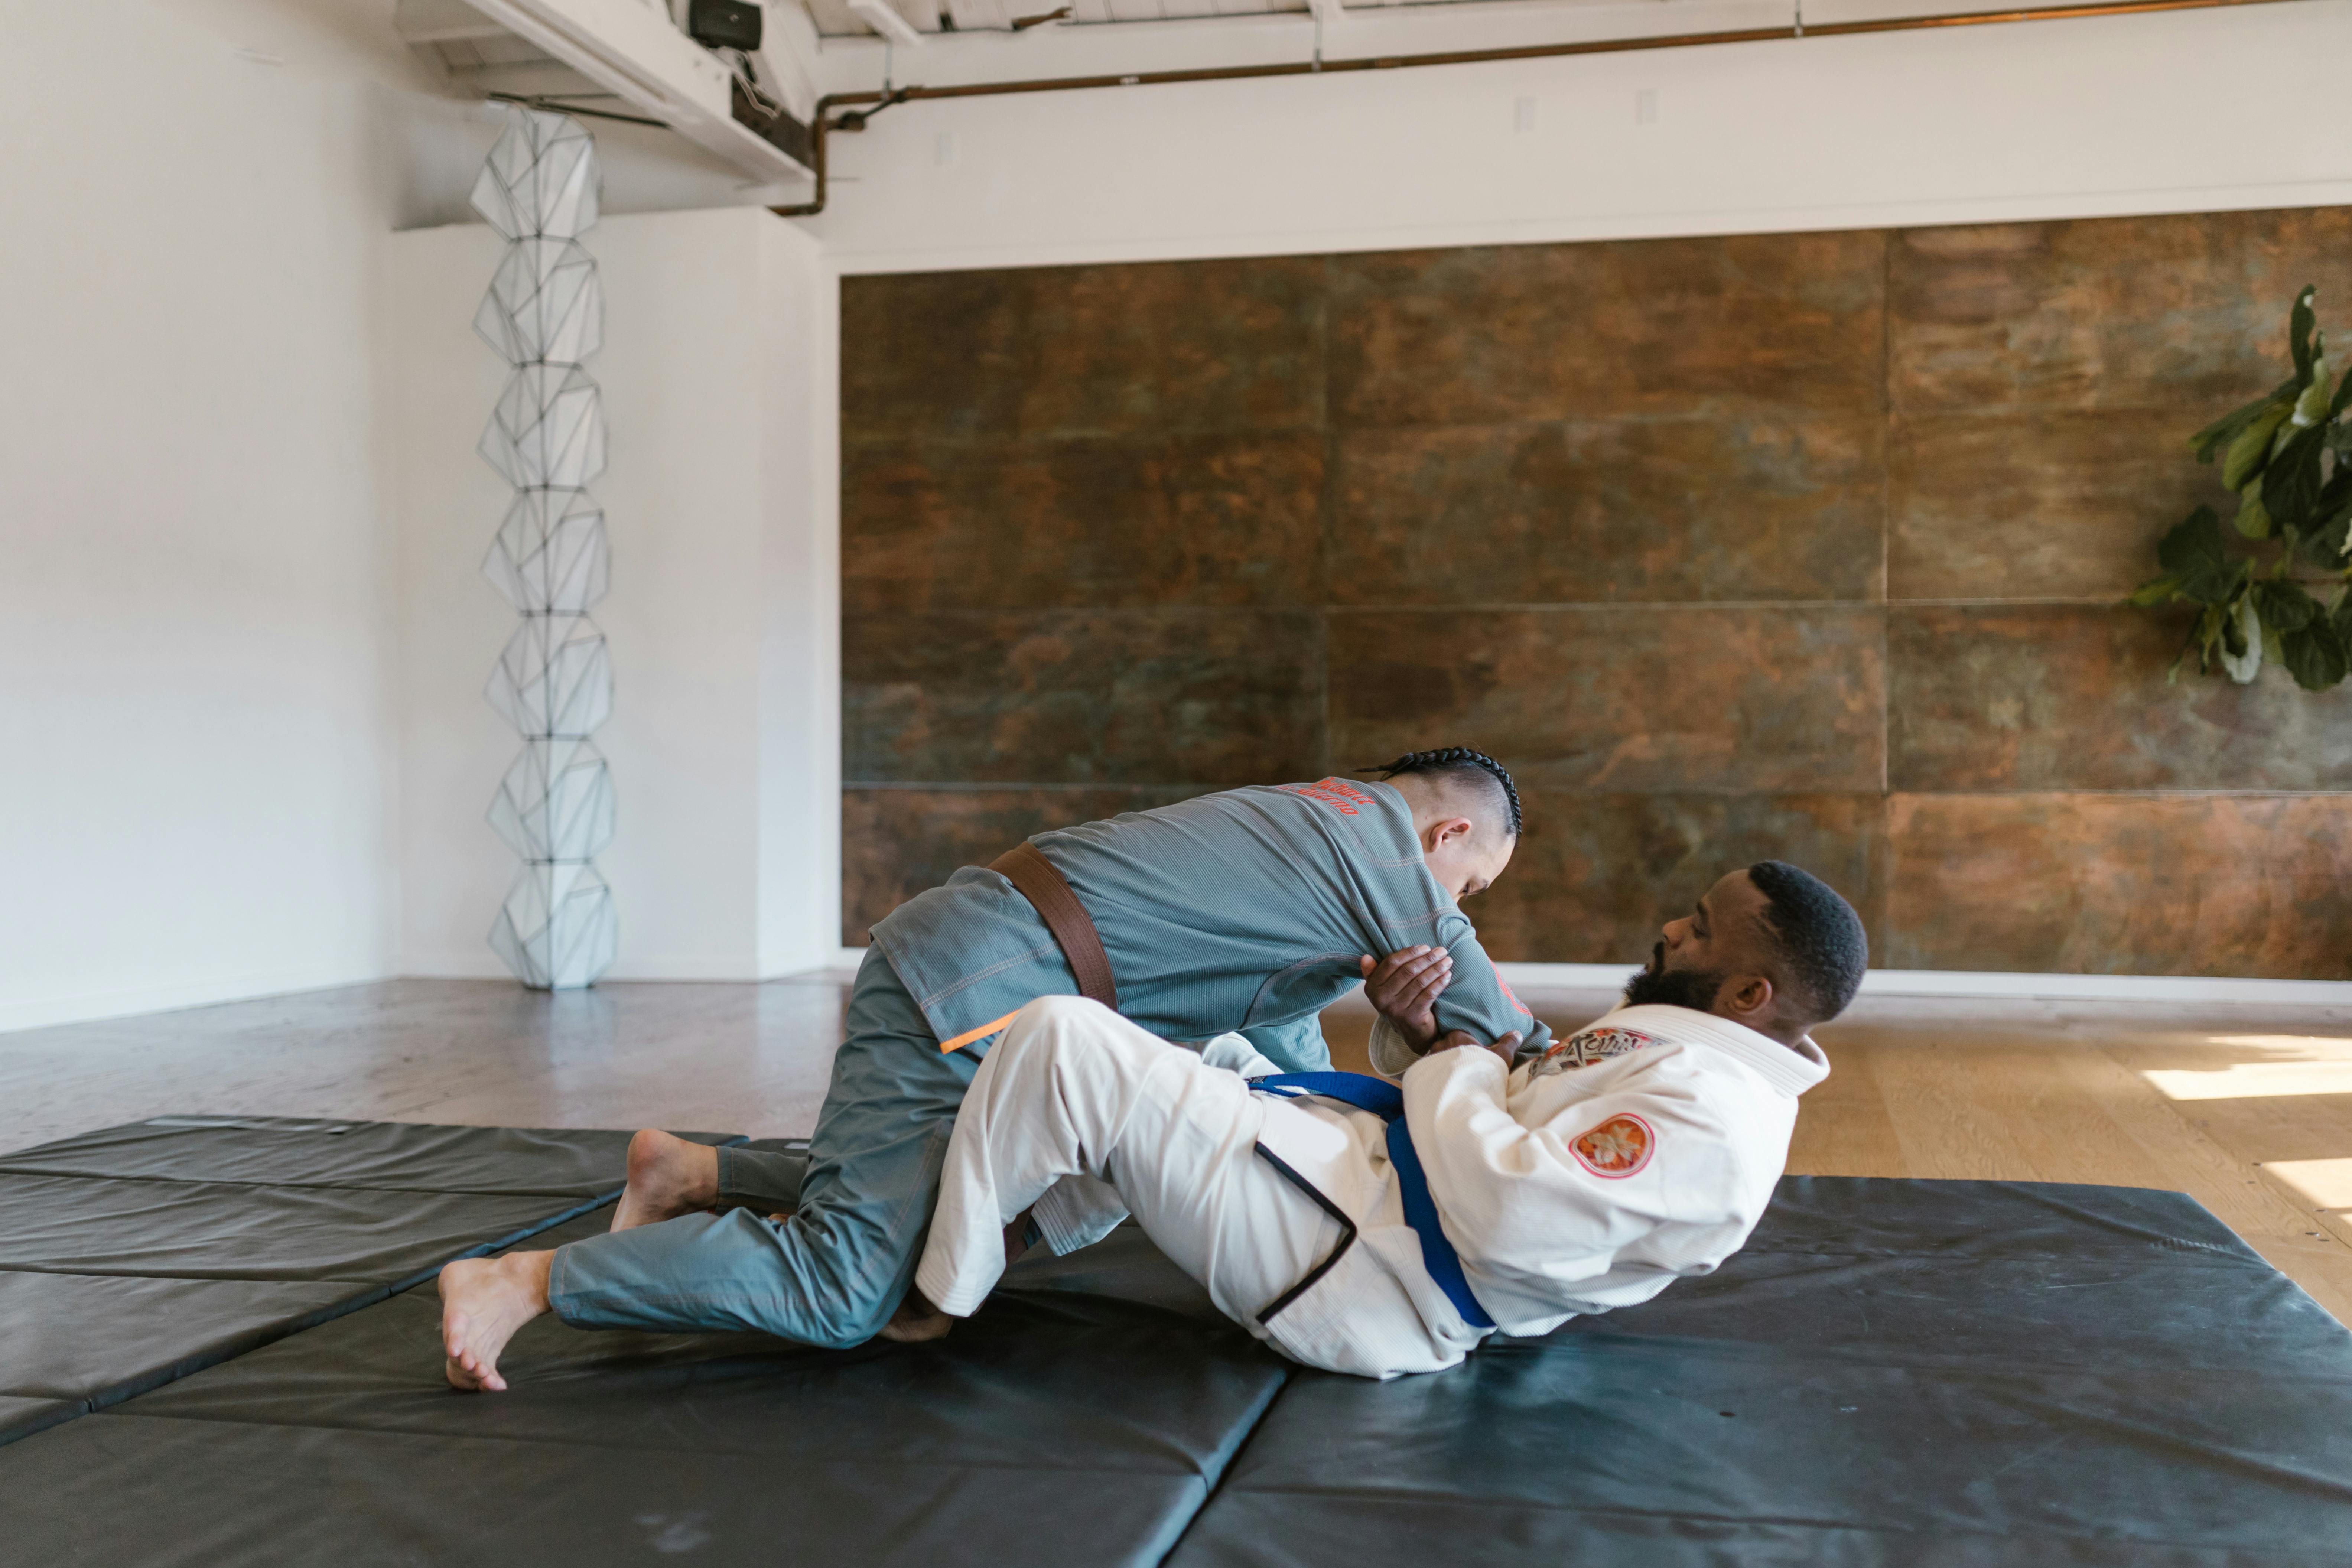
[(1249, 911)]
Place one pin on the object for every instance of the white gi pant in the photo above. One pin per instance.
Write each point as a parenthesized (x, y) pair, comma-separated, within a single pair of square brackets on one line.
[(1075, 1090)]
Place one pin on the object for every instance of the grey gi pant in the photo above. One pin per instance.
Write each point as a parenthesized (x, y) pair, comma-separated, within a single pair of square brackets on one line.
[(831, 1273)]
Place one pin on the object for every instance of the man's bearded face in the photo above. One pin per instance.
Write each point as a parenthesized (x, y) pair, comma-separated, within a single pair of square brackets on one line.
[(1692, 988)]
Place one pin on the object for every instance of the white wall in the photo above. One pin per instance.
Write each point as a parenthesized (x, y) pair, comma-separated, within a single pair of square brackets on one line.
[(2184, 113), (195, 721), (800, 646), (198, 748), (717, 369)]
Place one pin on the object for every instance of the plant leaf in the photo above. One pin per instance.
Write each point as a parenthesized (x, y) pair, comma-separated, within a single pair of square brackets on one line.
[(2252, 520), (2156, 591), (2331, 516), (2241, 642), (2251, 447), (2291, 482), (2225, 429), (2285, 607), (2195, 557), (2313, 655), (2299, 332), (2311, 407), (2207, 637)]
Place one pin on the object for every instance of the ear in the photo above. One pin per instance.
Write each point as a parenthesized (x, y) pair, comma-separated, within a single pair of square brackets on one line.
[(1745, 998), (1446, 830)]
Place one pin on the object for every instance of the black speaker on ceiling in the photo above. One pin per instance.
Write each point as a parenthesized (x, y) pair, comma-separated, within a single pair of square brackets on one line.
[(724, 23)]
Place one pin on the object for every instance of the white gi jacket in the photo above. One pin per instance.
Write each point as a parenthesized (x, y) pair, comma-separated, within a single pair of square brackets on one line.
[(1639, 1150)]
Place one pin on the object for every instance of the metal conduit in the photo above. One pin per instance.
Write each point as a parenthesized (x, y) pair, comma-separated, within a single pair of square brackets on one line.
[(823, 123)]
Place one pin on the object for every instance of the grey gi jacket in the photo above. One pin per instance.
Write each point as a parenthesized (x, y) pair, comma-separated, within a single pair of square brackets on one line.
[(1238, 913)]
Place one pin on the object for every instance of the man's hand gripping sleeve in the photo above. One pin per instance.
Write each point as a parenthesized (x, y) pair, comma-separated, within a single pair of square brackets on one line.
[(1478, 1001)]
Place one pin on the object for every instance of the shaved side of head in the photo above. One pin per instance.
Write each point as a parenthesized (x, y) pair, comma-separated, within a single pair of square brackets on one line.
[(1470, 783)]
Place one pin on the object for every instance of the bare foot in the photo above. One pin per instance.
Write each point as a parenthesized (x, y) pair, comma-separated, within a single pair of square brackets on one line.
[(483, 1301), (916, 1321), (668, 1178)]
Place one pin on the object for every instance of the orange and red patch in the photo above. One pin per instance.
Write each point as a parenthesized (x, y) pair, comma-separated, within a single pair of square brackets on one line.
[(1617, 1148)]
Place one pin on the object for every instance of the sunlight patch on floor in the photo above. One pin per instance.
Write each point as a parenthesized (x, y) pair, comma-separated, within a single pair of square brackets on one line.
[(2308, 1048), (2327, 1183), (2253, 1081)]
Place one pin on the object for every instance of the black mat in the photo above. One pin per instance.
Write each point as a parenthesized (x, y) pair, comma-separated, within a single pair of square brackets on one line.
[(1059, 1426), (1892, 1372), (136, 1254)]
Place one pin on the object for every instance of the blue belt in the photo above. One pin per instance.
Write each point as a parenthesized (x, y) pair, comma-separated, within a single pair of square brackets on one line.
[(1385, 1100)]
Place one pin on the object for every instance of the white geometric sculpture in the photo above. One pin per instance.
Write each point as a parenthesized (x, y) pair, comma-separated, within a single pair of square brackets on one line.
[(551, 556), (544, 304), (556, 928), (556, 802), (544, 313), (541, 180), (547, 429)]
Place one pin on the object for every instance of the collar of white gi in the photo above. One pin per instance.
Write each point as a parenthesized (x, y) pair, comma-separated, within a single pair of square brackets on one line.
[(1791, 1070)]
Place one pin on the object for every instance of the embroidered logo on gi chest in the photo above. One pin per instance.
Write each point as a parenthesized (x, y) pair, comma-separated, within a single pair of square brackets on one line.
[(1593, 1045), (1617, 1148)]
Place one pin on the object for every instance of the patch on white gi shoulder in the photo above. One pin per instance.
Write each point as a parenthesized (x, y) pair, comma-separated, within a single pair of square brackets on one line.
[(1593, 1045), (1617, 1148)]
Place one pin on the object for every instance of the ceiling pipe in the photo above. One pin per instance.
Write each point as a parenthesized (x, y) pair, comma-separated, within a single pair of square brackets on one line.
[(822, 124)]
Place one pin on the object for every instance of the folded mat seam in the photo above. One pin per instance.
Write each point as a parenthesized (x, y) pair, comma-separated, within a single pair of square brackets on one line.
[(1838, 1355), (1247, 1434), (146, 1383), (1938, 1530), (298, 1186), (271, 1333), (278, 1422)]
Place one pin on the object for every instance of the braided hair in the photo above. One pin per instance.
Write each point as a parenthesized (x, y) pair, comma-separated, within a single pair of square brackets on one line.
[(1462, 763)]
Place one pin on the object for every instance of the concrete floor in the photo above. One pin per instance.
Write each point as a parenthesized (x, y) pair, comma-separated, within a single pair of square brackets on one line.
[(2247, 1109)]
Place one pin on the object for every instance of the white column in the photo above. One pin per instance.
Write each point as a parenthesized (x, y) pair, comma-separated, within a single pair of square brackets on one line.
[(720, 376)]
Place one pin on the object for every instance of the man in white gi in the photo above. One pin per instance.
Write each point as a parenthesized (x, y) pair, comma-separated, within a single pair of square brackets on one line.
[(1365, 1230)]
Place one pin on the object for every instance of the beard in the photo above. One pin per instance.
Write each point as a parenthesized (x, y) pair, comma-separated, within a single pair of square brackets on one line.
[(1659, 986)]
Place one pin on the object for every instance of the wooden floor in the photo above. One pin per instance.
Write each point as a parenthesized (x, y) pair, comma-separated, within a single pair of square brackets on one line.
[(2248, 1110)]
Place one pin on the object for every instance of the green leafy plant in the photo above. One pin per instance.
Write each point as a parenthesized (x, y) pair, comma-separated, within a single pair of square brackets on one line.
[(2287, 456)]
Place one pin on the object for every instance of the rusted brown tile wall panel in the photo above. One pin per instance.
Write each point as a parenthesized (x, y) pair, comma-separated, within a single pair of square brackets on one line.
[(1179, 346), (1147, 697), (1595, 875), (2105, 314), (1671, 327), (2043, 696), (1088, 522), (2037, 505), (897, 842), (2074, 883), (1622, 699), (1708, 539), (1624, 509)]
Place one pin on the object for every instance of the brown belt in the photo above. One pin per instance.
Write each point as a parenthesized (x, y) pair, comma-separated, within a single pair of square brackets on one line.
[(1066, 918)]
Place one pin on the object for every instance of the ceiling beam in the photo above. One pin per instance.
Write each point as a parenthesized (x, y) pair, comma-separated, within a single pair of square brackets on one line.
[(635, 51), (885, 19)]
